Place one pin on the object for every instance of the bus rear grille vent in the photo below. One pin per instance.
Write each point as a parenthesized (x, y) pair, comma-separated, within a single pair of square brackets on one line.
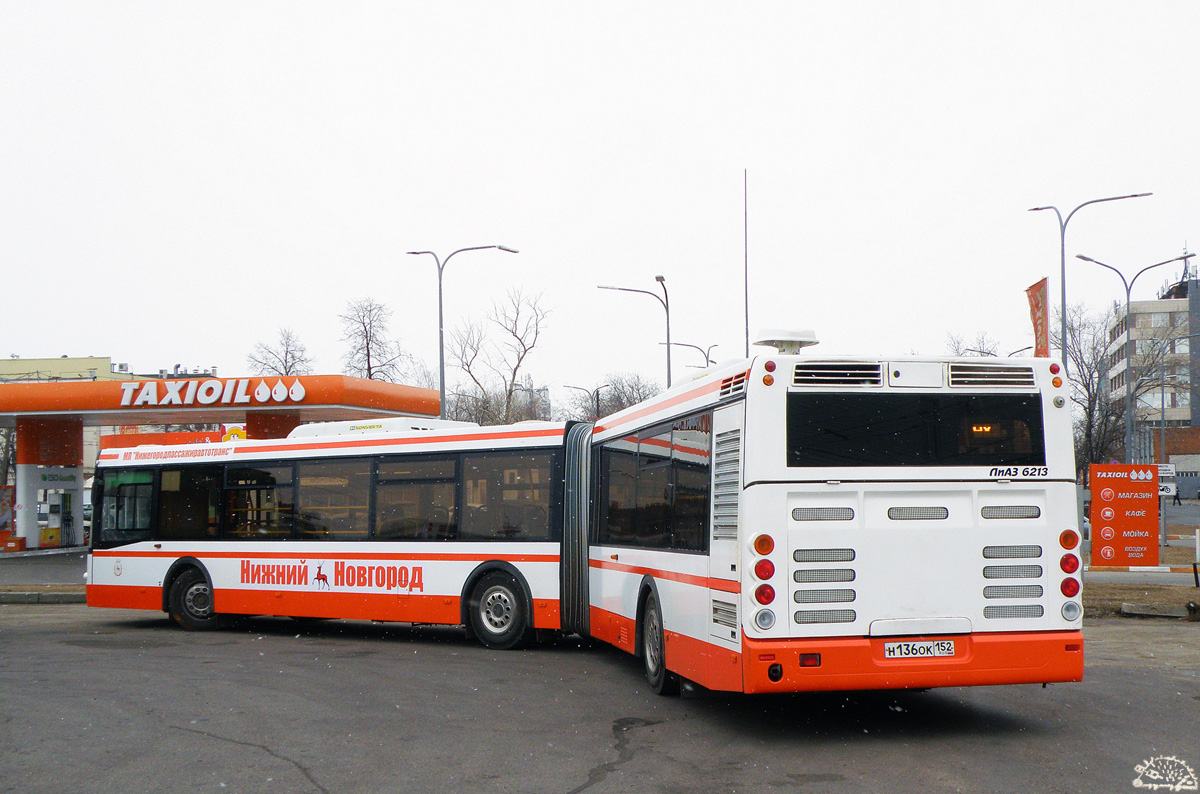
[(1012, 552), (1012, 572), (1011, 511), (824, 575), (1013, 591), (823, 514), (1014, 611), (823, 555), (918, 513), (837, 373), (825, 616), (991, 375), (724, 614), (727, 484), (735, 384), (824, 596)]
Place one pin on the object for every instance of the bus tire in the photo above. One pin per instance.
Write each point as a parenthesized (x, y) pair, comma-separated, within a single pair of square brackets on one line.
[(654, 659), (191, 602), (498, 616)]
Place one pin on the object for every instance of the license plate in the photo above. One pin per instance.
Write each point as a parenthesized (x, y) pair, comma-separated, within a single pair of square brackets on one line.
[(918, 650)]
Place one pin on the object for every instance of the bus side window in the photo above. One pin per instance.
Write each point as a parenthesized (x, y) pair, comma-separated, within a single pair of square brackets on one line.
[(259, 502), (125, 506), (333, 499), (416, 499), (507, 496), (188, 500)]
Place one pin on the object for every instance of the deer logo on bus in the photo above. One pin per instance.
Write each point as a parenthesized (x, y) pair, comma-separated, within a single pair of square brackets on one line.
[(321, 579)]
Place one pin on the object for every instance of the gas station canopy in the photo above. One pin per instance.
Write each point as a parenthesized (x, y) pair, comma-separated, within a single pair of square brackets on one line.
[(309, 398)]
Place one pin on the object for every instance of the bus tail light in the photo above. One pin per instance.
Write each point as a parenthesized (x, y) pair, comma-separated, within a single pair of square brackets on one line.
[(765, 594), (1069, 563), (764, 544), (810, 660), (1069, 539), (1070, 587), (765, 569)]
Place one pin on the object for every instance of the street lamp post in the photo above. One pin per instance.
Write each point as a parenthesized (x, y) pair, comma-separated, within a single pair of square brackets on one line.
[(1129, 342), (665, 300), (1062, 240), (707, 353), (593, 393), (441, 266)]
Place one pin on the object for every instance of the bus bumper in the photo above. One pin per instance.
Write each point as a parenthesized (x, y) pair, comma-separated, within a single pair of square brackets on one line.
[(852, 663)]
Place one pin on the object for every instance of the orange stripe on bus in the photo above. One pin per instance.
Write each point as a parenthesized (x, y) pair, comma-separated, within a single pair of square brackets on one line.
[(724, 585), (329, 557), (660, 406), (388, 442)]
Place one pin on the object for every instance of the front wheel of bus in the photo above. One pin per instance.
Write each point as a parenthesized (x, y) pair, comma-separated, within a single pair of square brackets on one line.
[(654, 657), (191, 602), (497, 612)]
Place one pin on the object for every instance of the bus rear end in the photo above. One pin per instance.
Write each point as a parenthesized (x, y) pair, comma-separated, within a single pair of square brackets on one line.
[(907, 524)]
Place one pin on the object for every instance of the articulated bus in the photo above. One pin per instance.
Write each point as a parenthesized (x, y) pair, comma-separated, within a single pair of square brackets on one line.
[(784, 523)]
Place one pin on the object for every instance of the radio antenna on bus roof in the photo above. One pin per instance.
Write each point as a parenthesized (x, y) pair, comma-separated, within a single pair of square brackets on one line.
[(785, 341)]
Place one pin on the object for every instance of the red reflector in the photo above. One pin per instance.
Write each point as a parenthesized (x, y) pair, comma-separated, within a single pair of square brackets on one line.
[(810, 660), (1074, 648), (1069, 563), (766, 657), (765, 594), (1070, 587), (765, 569), (769, 366), (1054, 369)]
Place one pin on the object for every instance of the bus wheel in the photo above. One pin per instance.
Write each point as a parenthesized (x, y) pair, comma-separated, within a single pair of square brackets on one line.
[(497, 612), (191, 602), (661, 680)]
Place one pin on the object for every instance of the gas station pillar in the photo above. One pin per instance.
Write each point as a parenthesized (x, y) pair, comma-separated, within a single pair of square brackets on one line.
[(56, 444), (270, 424)]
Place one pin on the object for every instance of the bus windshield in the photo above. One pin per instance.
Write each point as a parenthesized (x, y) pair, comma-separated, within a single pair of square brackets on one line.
[(890, 429)]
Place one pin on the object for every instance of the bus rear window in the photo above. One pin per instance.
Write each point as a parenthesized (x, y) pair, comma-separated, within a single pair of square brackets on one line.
[(891, 429)]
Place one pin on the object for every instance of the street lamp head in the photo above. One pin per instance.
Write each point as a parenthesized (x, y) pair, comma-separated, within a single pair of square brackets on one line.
[(1087, 259), (660, 279), (1039, 209), (508, 250)]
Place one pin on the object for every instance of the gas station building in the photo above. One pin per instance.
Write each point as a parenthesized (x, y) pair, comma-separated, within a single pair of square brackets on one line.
[(49, 418)]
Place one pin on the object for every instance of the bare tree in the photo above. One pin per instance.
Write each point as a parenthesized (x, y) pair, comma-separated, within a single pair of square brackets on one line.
[(983, 345), (492, 368), (286, 357), (619, 391), (1099, 421), (372, 353)]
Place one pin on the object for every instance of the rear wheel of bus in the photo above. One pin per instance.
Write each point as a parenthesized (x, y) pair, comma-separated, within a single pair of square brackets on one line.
[(190, 601), (654, 659), (497, 612)]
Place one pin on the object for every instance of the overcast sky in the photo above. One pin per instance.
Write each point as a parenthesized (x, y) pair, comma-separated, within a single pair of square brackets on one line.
[(178, 181)]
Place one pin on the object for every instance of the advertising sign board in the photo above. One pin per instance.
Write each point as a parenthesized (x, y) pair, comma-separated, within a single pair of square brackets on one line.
[(1124, 514)]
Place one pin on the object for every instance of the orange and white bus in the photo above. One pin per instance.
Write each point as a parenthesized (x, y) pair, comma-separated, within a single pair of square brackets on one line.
[(783, 523)]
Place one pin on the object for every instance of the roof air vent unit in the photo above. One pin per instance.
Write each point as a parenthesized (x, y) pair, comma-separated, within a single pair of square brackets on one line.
[(786, 342)]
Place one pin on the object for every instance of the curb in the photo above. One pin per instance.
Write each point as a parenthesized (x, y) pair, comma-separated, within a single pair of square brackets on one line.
[(1138, 568), (42, 598), (1153, 611)]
